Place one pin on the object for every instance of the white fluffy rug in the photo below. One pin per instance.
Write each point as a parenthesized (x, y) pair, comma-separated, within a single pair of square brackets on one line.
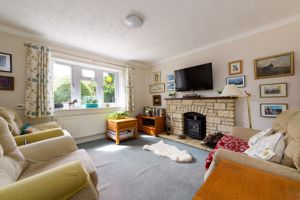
[(169, 151)]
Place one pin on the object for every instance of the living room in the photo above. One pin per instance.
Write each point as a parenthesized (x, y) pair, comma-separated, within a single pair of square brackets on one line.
[(78, 74)]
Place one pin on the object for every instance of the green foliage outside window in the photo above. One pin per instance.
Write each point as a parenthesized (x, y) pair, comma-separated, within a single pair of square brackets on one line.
[(109, 88), (62, 91)]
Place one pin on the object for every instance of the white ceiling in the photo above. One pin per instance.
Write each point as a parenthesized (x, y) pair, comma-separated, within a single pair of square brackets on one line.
[(171, 27)]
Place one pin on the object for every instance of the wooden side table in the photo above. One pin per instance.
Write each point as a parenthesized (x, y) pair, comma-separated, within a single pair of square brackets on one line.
[(118, 125), (231, 180)]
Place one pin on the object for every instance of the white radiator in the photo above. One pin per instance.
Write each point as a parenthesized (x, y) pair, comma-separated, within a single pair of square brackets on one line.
[(83, 125)]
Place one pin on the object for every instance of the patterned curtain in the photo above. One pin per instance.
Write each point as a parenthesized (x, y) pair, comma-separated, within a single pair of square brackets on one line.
[(129, 89), (39, 98)]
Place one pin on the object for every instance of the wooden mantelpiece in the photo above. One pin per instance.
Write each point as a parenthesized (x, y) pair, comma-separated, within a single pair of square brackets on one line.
[(193, 98)]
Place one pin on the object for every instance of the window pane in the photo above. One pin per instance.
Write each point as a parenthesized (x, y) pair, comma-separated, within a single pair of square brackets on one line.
[(61, 83), (109, 87), (88, 91), (88, 73)]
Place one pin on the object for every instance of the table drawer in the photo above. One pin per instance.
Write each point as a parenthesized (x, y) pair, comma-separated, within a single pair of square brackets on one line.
[(125, 125), (149, 130)]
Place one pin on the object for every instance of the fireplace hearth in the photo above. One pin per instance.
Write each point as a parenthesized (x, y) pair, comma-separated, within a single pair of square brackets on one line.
[(194, 125)]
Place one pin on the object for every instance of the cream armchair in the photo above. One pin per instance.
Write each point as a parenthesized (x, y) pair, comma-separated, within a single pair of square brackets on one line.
[(289, 122), (48, 169)]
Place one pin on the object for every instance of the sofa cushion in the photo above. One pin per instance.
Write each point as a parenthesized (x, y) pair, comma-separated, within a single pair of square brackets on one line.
[(12, 163), (282, 120), (292, 140), (297, 158), (13, 120), (81, 155), (227, 142)]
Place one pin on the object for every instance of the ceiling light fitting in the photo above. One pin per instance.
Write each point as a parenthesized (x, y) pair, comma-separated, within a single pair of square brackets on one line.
[(133, 21)]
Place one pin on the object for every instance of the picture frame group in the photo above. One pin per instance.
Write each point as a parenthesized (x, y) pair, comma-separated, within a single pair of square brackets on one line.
[(156, 100)]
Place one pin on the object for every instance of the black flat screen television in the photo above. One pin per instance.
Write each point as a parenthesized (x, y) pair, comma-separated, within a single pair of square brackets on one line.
[(194, 78)]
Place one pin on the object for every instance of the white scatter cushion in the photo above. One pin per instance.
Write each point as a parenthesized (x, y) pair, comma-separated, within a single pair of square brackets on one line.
[(269, 148), (255, 138)]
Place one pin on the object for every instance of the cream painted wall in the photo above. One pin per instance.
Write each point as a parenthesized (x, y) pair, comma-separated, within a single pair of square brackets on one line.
[(275, 41), (14, 45)]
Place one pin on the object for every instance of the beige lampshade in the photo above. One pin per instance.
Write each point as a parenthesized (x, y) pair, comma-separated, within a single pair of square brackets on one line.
[(231, 91)]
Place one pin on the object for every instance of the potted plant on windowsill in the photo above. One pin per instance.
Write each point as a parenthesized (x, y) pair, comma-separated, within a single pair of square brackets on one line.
[(90, 102)]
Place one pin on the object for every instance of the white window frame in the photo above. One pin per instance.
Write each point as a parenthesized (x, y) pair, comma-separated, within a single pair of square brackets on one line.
[(76, 77)]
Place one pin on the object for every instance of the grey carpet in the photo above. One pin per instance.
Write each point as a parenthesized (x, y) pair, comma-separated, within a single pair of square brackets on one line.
[(127, 172)]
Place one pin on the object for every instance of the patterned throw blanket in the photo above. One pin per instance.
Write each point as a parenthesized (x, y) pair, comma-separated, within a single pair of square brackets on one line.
[(230, 143)]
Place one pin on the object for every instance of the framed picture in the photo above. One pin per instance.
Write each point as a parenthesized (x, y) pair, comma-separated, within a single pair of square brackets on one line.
[(6, 83), (235, 67), (239, 81), (274, 66), (272, 109), (170, 86), (273, 90), (157, 88), (156, 77), (170, 78), (156, 100), (5, 62)]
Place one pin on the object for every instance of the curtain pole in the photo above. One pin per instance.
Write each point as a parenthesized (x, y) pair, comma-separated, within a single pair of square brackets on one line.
[(93, 60)]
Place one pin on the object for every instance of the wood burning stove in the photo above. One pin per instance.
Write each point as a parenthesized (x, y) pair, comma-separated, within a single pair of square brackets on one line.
[(195, 125)]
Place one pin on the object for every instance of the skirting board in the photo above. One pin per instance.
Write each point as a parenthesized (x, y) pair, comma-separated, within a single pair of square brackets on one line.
[(90, 138)]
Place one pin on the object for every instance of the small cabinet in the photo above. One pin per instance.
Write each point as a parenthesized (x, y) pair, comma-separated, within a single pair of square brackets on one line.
[(151, 125)]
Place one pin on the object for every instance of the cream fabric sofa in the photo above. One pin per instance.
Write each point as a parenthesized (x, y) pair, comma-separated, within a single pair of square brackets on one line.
[(289, 122), (47, 169)]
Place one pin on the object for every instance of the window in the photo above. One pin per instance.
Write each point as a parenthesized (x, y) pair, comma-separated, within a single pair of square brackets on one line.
[(62, 83), (86, 84), (109, 87)]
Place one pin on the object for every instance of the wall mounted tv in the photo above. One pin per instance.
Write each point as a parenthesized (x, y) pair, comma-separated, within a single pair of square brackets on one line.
[(194, 78)]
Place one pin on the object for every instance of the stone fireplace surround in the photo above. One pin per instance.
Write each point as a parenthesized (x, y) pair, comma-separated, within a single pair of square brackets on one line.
[(219, 112)]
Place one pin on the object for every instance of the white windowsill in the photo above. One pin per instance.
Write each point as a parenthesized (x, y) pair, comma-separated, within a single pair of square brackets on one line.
[(85, 111)]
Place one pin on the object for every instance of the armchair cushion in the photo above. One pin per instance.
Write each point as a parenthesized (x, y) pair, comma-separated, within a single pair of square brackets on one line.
[(58, 183), (227, 142), (79, 155), (12, 162), (38, 136)]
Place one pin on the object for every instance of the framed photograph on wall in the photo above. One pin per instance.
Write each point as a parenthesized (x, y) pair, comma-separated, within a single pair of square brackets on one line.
[(170, 78), (274, 66), (6, 83), (157, 77), (156, 100), (272, 109), (235, 67), (171, 86), (157, 88), (5, 62), (239, 81), (273, 90)]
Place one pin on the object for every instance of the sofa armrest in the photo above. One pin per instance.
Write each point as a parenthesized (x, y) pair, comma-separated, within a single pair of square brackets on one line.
[(281, 170), (48, 149), (58, 183), (38, 136), (243, 133)]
